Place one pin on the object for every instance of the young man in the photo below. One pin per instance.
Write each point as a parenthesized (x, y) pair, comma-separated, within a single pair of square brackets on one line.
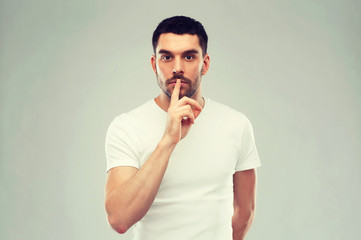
[(181, 166)]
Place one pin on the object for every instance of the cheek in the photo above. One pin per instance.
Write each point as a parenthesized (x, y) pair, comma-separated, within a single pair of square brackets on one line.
[(196, 69), (200, 67), (163, 70)]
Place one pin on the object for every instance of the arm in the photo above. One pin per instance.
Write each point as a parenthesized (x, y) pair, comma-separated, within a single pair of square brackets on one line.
[(130, 192), (244, 190)]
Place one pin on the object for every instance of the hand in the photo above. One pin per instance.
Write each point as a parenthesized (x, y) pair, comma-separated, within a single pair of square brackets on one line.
[(181, 115)]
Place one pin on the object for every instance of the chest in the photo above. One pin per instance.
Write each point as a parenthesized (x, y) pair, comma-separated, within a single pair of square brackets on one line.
[(200, 167)]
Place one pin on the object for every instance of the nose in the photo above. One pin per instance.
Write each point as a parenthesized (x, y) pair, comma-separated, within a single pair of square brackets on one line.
[(178, 66)]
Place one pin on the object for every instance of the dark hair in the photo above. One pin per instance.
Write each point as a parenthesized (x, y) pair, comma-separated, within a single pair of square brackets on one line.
[(181, 25)]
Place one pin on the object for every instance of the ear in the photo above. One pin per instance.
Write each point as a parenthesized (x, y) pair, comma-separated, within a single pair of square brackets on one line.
[(153, 62), (206, 62)]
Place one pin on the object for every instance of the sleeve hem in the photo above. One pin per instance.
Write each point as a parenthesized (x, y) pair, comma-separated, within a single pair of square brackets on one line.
[(122, 165), (248, 166)]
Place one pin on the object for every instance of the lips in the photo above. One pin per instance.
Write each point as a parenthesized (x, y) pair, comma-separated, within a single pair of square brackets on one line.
[(174, 81)]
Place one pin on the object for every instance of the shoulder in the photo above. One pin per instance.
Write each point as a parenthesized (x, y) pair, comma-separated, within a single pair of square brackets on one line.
[(228, 120), (141, 111), (146, 117), (127, 121), (227, 113)]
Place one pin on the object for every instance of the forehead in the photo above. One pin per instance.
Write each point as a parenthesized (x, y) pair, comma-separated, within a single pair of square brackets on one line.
[(178, 43)]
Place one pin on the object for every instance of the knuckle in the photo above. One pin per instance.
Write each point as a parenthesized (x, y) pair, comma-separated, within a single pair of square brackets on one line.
[(191, 113), (185, 99)]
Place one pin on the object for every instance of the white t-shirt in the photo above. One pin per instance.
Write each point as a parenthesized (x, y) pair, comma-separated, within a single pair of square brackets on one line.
[(195, 198)]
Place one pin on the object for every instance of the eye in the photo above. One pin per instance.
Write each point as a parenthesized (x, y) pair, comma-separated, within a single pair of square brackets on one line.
[(189, 57), (166, 58)]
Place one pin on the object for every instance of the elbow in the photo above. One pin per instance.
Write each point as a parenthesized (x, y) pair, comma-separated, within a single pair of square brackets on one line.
[(249, 216), (116, 219), (243, 219), (246, 213), (118, 226)]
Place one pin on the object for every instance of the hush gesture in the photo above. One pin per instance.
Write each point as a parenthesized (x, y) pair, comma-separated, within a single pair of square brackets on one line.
[(181, 115)]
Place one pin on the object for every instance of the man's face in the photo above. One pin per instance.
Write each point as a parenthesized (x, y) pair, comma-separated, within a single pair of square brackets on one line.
[(179, 56)]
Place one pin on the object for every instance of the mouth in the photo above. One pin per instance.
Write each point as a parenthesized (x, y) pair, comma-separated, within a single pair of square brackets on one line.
[(175, 81), (184, 81)]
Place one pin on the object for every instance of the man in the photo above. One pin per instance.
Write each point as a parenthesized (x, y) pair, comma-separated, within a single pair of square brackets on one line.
[(181, 166)]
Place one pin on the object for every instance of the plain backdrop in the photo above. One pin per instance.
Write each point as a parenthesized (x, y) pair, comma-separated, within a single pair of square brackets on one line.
[(67, 68)]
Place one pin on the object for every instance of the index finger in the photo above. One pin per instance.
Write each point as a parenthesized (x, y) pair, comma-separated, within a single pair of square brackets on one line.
[(175, 94)]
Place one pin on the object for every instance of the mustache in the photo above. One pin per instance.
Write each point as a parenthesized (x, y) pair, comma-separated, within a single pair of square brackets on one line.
[(178, 76)]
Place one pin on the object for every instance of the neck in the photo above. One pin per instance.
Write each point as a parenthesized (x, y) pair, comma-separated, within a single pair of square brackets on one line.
[(163, 101)]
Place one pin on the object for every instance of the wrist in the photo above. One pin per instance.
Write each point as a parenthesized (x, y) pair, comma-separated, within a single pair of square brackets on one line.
[(167, 143)]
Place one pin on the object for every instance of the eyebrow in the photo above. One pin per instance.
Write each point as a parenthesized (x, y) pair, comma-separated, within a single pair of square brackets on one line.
[(191, 51)]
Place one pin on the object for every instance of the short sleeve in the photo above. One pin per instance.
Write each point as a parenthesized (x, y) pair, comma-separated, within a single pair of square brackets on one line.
[(120, 150), (248, 156)]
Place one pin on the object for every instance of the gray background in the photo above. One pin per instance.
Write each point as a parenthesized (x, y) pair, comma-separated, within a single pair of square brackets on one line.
[(67, 68)]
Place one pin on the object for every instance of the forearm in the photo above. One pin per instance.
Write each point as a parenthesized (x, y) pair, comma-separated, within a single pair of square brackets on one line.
[(241, 223), (130, 201), (244, 203)]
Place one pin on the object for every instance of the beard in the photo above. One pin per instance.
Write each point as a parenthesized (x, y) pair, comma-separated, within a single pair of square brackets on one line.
[(192, 86)]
